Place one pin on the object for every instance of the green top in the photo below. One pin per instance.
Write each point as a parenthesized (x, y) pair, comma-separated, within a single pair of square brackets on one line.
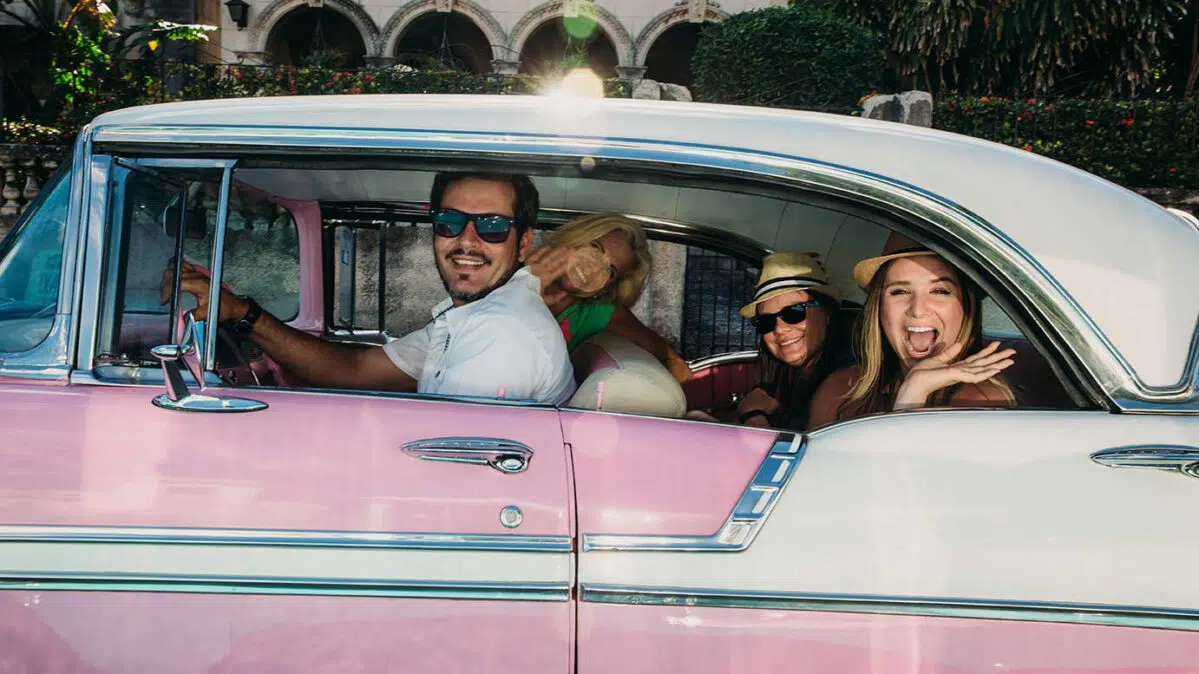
[(583, 320)]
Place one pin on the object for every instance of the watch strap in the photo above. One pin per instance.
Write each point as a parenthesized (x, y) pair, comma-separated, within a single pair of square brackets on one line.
[(245, 325)]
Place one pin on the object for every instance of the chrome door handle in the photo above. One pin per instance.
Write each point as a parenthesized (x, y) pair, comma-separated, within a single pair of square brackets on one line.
[(1164, 457), (506, 456)]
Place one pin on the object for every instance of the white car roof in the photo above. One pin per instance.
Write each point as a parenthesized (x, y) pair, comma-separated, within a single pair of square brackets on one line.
[(1130, 264)]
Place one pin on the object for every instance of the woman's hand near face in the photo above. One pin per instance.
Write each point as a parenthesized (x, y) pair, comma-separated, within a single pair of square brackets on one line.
[(929, 375), (549, 264)]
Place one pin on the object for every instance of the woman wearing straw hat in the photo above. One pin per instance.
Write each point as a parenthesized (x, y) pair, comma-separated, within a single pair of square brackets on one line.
[(795, 313), (920, 318)]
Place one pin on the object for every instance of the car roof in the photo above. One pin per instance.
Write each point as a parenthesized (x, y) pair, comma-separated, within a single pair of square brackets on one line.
[(1129, 263)]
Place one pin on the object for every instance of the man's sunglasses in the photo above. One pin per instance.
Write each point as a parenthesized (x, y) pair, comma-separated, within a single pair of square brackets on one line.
[(792, 315), (490, 227)]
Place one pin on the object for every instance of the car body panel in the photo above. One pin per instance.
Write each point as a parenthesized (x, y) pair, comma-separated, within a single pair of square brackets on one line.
[(707, 640), (312, 496), (109, 632), (638, 476), (936, 505)]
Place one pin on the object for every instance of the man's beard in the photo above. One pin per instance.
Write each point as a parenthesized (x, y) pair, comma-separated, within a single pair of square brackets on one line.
[(468, 297)]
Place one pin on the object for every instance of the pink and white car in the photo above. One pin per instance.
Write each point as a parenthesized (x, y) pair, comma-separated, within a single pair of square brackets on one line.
[(173, 501)]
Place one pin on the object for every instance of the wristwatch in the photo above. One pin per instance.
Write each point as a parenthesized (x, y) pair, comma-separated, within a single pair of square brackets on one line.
[(245, 325)]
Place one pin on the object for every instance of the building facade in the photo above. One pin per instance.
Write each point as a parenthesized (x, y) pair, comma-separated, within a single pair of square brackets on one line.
[(624, 38)]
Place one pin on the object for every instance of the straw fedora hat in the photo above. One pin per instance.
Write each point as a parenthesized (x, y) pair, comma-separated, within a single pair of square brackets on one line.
[(784, 272), (896, 246)]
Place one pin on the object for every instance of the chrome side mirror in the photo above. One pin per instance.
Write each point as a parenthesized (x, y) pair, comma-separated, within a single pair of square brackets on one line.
[(190, 352)]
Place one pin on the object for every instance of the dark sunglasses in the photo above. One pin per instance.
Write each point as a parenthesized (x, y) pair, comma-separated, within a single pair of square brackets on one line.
[(490, 227), (792, 315)]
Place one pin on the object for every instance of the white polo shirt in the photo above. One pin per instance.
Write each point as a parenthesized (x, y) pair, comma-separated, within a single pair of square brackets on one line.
[(506, 344)]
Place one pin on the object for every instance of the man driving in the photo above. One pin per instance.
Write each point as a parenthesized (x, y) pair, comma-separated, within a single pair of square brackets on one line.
[(492, 337)]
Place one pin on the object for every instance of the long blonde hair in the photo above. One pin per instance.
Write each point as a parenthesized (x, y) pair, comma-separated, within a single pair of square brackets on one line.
[(879, 369), (587, 228)]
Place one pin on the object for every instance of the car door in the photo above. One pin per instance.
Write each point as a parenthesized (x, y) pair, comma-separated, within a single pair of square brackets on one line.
[(323, 532), (938, 541)]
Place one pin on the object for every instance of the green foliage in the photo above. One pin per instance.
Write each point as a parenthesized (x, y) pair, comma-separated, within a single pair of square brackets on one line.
[(143, 82), (1025, 47), (1145, 143), (798, 56)]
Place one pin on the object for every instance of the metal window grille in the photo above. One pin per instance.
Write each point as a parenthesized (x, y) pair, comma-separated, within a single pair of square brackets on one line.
[(715, 288)]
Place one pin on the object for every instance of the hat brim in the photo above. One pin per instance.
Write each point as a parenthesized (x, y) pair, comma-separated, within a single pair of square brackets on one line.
[(750, 310), (864, 271)]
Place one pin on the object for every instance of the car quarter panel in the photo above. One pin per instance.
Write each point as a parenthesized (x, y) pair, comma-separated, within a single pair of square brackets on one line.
[(993, 525), (643, 476)]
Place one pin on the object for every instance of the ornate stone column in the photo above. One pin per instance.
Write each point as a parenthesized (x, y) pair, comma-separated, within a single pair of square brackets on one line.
[(502, 67), (631, 74)]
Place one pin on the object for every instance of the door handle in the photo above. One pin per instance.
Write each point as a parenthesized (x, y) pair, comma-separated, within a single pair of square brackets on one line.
[(506, 456), (1163, 457)]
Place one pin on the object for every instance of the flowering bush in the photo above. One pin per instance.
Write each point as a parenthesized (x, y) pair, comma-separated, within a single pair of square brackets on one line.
[(1140, 143)]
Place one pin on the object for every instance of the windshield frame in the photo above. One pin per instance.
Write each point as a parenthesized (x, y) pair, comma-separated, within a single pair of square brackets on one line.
[(50, 360)]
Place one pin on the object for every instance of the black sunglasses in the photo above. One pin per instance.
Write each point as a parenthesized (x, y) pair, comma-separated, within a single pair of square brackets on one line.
[(490, 227), (792, 315)]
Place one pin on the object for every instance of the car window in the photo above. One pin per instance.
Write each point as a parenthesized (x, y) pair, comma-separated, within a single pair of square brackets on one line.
[(148, 210), (716, 286), (31, 266)]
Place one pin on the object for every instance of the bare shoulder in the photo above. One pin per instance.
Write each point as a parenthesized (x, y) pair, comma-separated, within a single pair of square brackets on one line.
[(829, 396)]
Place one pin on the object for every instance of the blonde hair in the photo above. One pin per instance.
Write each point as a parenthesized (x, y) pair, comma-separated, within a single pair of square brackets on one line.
[(879, 368), (583, 230)]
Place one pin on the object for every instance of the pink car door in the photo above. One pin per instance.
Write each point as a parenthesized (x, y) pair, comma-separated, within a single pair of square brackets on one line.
[(324, 532)]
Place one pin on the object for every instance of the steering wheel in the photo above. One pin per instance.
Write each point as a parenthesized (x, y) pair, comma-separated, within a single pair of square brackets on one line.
[(233, 343)]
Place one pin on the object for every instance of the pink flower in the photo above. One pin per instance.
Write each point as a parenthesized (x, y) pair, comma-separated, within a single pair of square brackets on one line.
[(1090, 122), (1028, 147)]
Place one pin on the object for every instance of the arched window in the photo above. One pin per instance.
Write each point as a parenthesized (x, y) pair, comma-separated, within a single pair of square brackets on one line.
[(551, 43), (446, 40), (316, 36)]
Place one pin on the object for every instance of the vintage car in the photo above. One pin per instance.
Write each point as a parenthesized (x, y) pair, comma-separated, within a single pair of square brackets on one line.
[(172, 500)]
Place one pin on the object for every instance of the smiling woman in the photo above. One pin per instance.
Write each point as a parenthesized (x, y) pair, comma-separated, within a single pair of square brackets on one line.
[(920, 318)]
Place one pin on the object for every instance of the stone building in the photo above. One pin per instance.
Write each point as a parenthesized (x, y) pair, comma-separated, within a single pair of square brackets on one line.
[(625, 38)]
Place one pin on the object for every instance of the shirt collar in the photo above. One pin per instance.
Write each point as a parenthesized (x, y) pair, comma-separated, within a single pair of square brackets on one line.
[(446, 307)]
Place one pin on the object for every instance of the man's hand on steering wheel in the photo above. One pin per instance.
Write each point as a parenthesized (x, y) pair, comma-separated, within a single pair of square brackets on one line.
[(197, 283)]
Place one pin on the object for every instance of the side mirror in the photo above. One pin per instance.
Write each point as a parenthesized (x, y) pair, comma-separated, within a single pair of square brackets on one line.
[(190, 352)]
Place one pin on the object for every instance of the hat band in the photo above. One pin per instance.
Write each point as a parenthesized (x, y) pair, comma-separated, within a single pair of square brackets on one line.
[(788, 282), (905, 251)]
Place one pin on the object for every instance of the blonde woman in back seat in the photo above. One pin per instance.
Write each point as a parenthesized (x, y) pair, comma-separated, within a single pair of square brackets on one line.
[(592, 269), (918, 340)]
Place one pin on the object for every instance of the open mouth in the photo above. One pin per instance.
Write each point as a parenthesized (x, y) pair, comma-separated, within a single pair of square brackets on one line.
[(921, 341), (793, 340)]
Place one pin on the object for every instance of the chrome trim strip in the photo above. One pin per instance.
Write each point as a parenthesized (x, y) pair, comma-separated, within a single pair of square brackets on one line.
[(723, 359), (11, 533), (743, 524), (119, 582), (93, 236), (1093, 357), (937, 607), (208, 352)]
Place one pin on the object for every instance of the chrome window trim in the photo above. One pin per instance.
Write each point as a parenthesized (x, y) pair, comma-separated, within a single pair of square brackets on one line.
[(934, 607), (11, 533), (749, 514), (50, 360), (214, 584), (723, 359), (147, 377), (93, 237), (1041, 296)]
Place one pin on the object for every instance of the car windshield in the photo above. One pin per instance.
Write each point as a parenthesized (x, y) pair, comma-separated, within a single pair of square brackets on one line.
[(30, 268)]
